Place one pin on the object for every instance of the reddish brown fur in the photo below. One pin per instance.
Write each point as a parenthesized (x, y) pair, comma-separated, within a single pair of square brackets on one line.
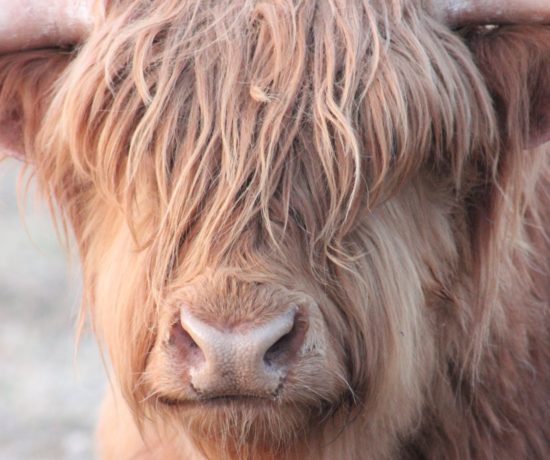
[(380, 173)]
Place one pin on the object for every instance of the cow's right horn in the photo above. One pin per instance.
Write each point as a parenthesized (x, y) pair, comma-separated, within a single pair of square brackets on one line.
[(31, 24)]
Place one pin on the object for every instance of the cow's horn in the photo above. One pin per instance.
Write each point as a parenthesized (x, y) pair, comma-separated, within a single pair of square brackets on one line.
[(462, 12), (27, 24)]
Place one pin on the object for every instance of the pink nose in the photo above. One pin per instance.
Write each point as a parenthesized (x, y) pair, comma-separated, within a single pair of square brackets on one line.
[(246, 360)]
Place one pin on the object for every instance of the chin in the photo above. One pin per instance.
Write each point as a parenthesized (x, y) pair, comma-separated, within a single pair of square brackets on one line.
[(239, 427)]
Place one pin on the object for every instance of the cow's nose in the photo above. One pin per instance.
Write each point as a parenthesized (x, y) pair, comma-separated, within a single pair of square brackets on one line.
[(244, 360)]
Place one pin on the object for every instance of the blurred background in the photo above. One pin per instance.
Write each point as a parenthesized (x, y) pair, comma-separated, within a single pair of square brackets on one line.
[(49, 396)]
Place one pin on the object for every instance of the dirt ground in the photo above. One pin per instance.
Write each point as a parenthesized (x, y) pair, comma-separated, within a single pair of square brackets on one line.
[(48, 396)]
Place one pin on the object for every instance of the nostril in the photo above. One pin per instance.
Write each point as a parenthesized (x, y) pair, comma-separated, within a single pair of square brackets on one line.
[(277, 349), (183, 341), (284, 350)]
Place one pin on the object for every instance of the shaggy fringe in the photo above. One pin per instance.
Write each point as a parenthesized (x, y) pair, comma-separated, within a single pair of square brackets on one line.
[(356, 142)]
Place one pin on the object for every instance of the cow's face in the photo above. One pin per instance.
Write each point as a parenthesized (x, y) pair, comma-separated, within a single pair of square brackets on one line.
[(281, 209)]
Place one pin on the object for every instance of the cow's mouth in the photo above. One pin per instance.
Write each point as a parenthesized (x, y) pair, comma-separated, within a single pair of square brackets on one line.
[(218, 401)]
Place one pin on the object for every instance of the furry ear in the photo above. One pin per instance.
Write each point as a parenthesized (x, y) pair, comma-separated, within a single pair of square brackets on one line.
[(515, 61), (26, 83), (11, 134)]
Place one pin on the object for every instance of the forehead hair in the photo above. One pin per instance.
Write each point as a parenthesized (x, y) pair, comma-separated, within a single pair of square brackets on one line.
[(211, 120)]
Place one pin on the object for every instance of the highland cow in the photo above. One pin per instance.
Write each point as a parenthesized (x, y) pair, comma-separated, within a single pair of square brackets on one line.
[(308, 229)]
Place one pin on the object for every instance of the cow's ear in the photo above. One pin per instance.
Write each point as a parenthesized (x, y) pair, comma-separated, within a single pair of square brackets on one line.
[(27, 80), (34, 25), (11, 133), (515, 61), (11, 112)]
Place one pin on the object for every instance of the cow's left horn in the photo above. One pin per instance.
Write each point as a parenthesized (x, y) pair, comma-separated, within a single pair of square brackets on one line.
[(28, 24), (462, 12)]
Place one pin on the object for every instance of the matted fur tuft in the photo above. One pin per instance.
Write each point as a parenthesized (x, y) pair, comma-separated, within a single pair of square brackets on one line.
[(352, 151)]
